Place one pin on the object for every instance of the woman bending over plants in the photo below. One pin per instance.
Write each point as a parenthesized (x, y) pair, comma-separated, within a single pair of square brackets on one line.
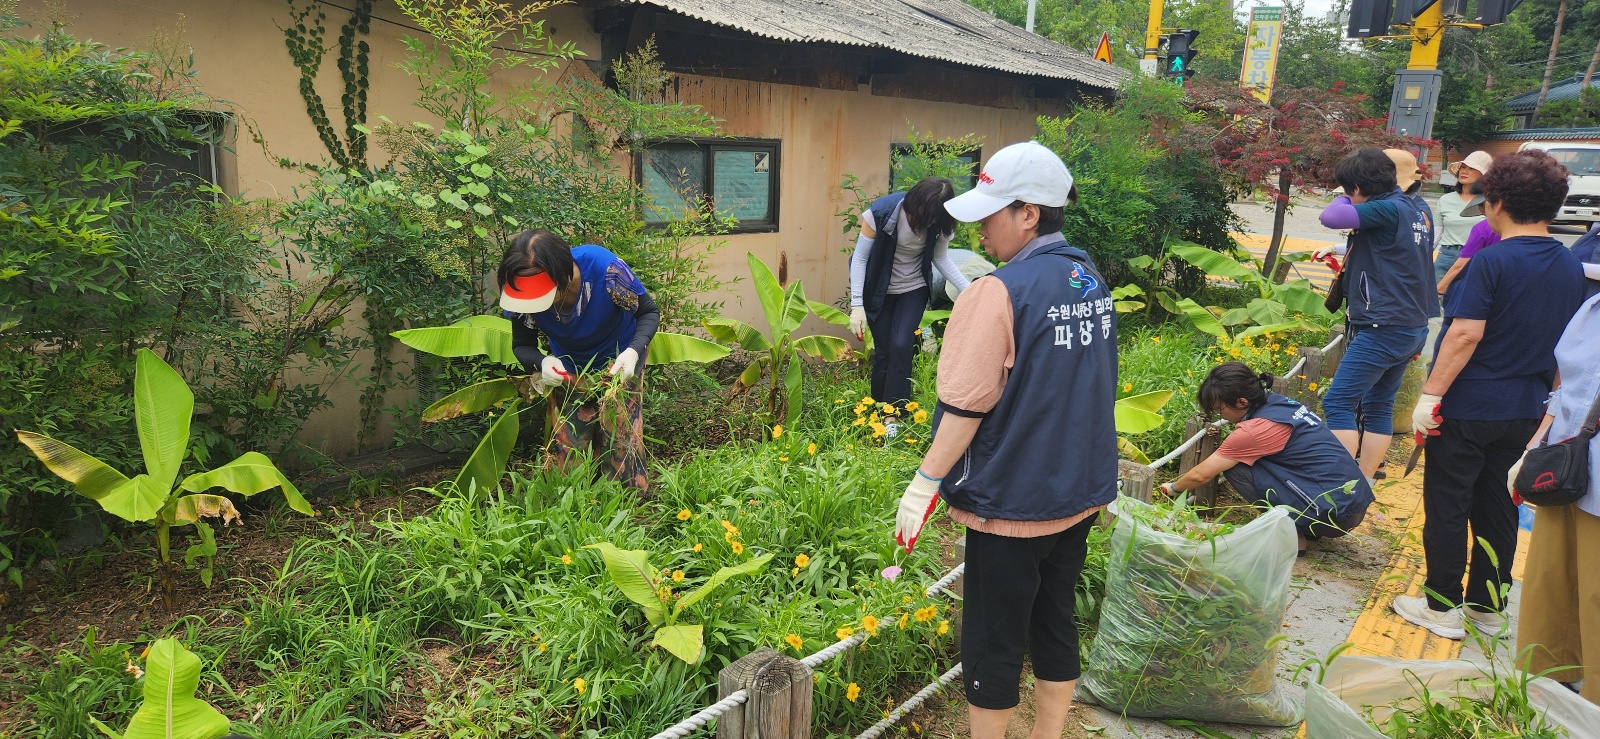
[(593, 313), (1279, 454)]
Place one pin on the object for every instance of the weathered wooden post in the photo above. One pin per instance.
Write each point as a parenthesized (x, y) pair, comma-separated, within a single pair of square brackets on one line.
[(1330, 359), (1138, 481), (779, 706), (1206, 492)]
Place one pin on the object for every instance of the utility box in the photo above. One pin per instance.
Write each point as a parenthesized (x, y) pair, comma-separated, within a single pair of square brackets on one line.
[(1416, 96)]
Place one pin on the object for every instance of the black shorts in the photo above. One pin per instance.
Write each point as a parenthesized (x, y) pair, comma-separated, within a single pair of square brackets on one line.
[(1019, 596)]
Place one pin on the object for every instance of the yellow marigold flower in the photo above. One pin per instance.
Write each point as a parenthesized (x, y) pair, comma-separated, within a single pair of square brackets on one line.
[(698, 546), (913, 405), (926, 614), (872, 418), (1313, 387), (905, 620), (920, 417), (839, 401), (543, 647), (870, 623), (1233, 353), (677, 575), (844, 632), (727, 537), (580, 685), (777, 431), (905, 599), (910, 440), (859, 422), (878, 430), (811, 448), (1127, 387), (794, 572), (888, 410), (685, 515), (852, 692), (868, 400), (794, 641), (566, 559), (944, 628), (729, 527), (783, 459), (801, 560), (738, 548), (1156, 339)]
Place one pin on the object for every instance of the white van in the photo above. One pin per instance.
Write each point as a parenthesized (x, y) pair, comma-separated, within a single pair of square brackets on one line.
[(1583, 186)]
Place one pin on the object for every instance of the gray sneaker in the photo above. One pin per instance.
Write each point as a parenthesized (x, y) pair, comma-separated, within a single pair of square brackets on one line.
[(1443, 624), (1489, 623)]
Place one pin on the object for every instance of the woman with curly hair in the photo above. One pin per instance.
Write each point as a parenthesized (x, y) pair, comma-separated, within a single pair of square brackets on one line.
[(1483, 400)]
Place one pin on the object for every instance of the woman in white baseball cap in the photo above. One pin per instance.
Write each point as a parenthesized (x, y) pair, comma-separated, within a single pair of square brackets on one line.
[(596, 316)]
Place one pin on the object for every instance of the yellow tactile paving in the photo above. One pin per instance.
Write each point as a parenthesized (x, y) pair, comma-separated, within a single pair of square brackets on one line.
[(1316, 272), (1378, 631)]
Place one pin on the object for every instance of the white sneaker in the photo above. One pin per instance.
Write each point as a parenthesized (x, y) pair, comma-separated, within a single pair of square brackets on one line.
[(890, 430), (1489, 623), (1443, 624)]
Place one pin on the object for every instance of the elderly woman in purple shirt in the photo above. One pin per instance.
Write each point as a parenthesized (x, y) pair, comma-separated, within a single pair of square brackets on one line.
[(1481, 236)]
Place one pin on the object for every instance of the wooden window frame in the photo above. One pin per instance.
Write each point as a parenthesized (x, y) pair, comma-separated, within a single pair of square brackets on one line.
[(709, 149)]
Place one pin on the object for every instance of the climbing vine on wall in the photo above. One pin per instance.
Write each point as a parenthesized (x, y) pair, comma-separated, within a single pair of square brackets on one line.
[(304, 38)]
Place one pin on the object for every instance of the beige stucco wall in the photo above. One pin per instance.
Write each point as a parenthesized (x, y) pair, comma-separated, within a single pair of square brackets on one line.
[(240, 54)]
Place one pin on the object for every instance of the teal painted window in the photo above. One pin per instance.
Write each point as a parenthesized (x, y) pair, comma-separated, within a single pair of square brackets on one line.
[(736, 179)]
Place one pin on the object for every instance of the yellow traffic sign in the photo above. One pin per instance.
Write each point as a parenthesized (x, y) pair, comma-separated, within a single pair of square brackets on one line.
[(1102, 52)]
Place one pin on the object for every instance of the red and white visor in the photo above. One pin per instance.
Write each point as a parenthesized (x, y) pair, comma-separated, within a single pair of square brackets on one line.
[(528, 294)]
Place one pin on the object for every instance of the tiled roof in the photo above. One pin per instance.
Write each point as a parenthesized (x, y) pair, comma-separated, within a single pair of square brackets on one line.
[(1547, 134), (944, 30), (1566, 89)]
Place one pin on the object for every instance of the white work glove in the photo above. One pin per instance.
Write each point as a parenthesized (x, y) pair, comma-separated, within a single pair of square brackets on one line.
[(916, 505), (552, 372), (1511, 477), (1425, 417), (858, 323), (1167, 489), (625, 365)]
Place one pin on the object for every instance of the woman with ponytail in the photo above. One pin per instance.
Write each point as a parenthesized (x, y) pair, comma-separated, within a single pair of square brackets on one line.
[(1280, 453)]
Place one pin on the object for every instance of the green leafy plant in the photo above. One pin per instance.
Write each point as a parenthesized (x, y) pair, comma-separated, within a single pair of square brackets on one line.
[(1278, 308), (164, 407), (785, 308), (1137, 414), (631, 571), (170, 710)]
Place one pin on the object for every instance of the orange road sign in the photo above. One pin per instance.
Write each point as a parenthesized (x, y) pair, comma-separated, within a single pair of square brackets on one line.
[(1102, 52)]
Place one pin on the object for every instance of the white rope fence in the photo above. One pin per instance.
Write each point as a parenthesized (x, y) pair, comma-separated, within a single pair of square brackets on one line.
[(911, 704), (694, 723)]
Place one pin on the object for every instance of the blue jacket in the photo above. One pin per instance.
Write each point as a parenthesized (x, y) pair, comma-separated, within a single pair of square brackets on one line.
[(1048, 449), (880, 263), (1310, 473), (596, 334), (1391, 284)]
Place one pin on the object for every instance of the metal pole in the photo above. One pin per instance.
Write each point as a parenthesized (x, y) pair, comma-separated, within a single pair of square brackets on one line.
[(1152, 40), (1032, 4)]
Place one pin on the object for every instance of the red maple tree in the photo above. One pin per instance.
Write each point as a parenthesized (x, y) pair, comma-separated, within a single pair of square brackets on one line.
[(1291, 143)]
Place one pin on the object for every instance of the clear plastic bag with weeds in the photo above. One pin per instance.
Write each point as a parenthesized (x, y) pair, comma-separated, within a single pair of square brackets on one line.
[(1378, 697), (1190, 624)]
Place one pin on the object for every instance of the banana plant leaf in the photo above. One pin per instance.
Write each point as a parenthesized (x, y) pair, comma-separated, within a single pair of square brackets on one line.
[(1131, 450), (684, 641), (1300, 299), (93, 478), (1276, 328), (163, 406), (716, 580), (772, 295), (1202, 319), (1265, 312), (791, 383), (477, 336), (826, 348), (251, 473), (729, 331), (630, 570), (1215, 264), (931, 317), (750, 376), (470, 399), (487, 464), (795, 308), (667, 348), (170, 710), (1137, 414)]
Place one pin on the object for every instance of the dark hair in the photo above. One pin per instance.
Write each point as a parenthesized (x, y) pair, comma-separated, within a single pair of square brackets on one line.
[(1230, 381), (1367, 169), (1415, 186), (1051, 219), (1529, 185), (924, 206), (537, 250)]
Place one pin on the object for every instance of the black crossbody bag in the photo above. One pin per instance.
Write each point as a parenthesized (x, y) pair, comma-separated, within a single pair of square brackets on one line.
[(1558, 474)]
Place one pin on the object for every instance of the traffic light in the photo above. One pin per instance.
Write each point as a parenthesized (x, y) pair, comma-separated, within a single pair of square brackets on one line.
[(1179, 62), (1494, 12), (1370, 18)]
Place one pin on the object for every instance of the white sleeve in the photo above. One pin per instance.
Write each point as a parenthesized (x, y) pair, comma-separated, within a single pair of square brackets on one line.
[(1591, 271), (858, 269), (947, 266)]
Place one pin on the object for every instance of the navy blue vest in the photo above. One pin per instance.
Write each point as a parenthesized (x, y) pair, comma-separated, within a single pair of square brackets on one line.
[(1397, 290), (1310, 473), (880, 263), (1048, 450)]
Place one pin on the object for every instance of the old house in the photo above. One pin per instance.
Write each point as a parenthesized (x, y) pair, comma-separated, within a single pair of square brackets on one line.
[(809, 90)]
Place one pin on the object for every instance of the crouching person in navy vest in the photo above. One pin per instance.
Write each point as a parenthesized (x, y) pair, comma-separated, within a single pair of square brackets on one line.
[(1279, 454), (1025, 446)]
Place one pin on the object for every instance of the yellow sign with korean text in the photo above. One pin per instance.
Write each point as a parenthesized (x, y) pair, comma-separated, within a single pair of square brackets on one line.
[(1261, 51)]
